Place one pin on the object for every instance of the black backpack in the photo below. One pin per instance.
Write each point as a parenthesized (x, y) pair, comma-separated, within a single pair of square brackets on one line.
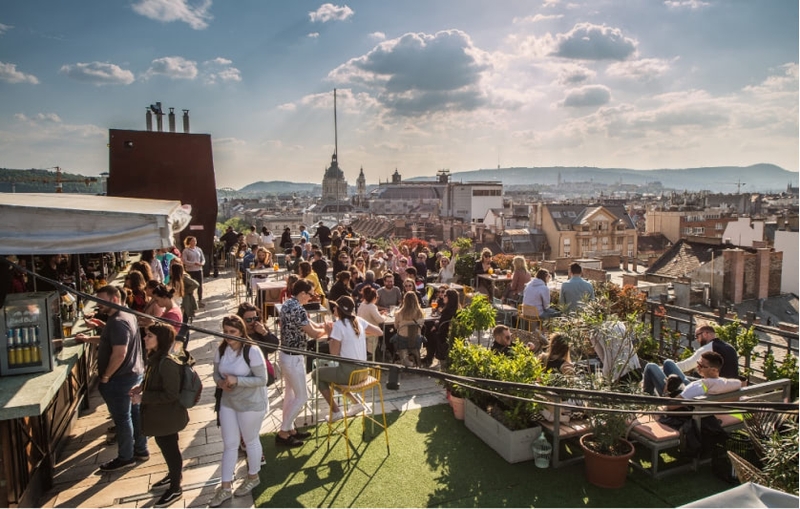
[(270, 368)]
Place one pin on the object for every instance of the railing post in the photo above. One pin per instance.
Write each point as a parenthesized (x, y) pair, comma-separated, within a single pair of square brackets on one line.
[(723, 311)]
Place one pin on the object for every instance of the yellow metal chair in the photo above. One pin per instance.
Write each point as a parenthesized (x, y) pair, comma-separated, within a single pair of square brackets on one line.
[(528, 315), (361, 380)]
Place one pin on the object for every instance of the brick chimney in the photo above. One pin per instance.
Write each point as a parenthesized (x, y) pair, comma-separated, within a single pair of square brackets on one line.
[(736, 275), (762, 272)]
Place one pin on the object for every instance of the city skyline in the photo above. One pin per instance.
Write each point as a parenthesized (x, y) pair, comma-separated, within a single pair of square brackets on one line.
[(421, 86)]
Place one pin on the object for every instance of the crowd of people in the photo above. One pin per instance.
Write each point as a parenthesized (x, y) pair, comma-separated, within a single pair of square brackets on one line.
[(139, 358)]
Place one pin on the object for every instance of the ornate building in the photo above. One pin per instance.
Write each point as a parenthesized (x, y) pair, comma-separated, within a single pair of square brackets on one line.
[(334, 185), (334, 189)]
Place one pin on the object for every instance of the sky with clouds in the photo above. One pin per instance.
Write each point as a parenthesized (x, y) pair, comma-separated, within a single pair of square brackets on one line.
[(422, 85)]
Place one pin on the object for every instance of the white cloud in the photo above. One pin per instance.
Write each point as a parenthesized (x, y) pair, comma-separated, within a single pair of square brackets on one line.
[(377, 36), (686, 4), (330, 12), (196, 16), (418, 74), (313, 35), (10, 74), (537, 18), (575, 75), (50, 125), (587, 96), (785, 82), (587, 41), (173, 68), (5, 28), (644, 69), (220, 70), (98, 73), (287, 107)]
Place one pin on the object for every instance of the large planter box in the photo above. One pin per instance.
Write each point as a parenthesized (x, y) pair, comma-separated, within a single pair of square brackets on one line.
[(513, 446)]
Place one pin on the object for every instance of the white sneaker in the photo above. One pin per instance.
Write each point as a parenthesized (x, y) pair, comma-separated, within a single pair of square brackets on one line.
[(220, 496), (355, 410), (247, 486)]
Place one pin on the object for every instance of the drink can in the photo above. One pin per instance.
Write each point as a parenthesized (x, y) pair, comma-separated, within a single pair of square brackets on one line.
[(32, 334)]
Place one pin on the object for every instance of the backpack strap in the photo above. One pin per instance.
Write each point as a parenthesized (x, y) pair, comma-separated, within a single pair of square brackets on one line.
[(246, 353)]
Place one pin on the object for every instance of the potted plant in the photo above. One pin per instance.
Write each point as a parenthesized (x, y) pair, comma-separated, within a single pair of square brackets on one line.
[(606, 449), (506, 422)]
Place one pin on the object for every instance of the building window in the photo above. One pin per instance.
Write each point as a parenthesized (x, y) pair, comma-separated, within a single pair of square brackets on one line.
[(567, 247), (719, 226), (605, 242)]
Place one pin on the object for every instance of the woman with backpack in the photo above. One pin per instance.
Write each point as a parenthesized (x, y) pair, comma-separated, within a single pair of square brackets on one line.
[(162, 415), (242, 407)]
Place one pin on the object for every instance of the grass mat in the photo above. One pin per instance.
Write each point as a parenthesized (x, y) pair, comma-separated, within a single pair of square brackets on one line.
[(435, 461)]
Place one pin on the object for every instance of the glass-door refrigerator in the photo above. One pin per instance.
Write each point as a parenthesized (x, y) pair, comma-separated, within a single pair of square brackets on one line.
[(28, 323)]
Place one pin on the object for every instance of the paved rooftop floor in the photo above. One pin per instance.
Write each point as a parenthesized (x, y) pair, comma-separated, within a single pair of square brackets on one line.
[(78, 483)]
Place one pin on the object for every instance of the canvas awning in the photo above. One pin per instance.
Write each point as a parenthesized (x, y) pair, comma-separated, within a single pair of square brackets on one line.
[(47, 223)]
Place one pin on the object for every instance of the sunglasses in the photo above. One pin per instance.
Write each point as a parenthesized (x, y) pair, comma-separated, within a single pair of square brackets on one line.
[(701, 365), (251, 319)]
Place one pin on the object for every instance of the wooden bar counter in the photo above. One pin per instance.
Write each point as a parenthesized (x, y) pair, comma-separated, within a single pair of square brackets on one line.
[(36, 414)]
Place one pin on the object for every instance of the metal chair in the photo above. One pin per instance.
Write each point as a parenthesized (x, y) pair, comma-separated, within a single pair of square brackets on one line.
[(505, 312), (529, 315), (361, 380)]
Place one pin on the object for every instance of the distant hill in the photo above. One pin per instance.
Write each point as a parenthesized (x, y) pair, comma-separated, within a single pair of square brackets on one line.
[(723, 179), (280, 187), (44, 181)]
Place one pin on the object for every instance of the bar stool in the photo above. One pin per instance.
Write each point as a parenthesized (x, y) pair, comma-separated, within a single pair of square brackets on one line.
[(361, 380)]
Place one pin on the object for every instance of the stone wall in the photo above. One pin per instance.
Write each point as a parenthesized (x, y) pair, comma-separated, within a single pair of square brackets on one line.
[(593, 274), (611, 261), (775, 273)]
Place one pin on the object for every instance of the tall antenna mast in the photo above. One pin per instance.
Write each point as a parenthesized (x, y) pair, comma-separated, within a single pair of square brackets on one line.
[(335, 129)]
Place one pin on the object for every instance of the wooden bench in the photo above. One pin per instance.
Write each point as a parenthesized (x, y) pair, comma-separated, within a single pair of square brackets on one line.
[(565, 435), (657, 437)]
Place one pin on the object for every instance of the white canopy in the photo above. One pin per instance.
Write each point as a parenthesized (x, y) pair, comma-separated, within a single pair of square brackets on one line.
[(43, 223)]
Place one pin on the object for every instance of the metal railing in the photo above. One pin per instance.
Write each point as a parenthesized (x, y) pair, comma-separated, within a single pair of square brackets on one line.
[(683, 321)]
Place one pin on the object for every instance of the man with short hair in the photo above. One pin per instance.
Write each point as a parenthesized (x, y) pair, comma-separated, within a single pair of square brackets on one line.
[(369, 280), (654, 377), (253, 238), (324, 234), (120, 367), (576, 291), (503, 341), (389, 295), (708, 367), (230, 238), (304, 234)]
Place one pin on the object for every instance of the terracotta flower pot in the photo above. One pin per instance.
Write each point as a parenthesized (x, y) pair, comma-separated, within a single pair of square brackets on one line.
[(603, 470), (458, 407)]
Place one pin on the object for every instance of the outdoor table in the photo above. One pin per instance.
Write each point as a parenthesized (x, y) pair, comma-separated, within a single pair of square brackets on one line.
[(493, 280), (269, 295), (254, 276)]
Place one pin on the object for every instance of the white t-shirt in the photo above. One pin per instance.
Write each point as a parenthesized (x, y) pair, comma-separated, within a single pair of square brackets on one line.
[(353, 347), (247, 396)]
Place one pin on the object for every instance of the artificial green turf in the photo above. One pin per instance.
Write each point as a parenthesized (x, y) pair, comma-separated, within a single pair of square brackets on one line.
[(435, 461)]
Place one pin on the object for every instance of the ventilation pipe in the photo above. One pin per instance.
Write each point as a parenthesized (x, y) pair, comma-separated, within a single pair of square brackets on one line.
[(172, 120), (186, 121), (148, 120), (159, 117)]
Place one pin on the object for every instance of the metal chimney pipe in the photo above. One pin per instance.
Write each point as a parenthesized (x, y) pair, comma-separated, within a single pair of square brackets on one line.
[(148, 120), (159, 117), (186, 121), (172, 120)]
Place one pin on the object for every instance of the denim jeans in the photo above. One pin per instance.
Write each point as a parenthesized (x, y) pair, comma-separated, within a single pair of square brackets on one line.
[(116, 394), (655, 378)]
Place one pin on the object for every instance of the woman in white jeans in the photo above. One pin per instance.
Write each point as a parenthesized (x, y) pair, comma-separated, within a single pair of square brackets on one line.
[(295, 328), (242, 408)]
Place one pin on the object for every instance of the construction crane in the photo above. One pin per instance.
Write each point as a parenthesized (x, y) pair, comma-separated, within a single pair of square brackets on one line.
[(60, 180)]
